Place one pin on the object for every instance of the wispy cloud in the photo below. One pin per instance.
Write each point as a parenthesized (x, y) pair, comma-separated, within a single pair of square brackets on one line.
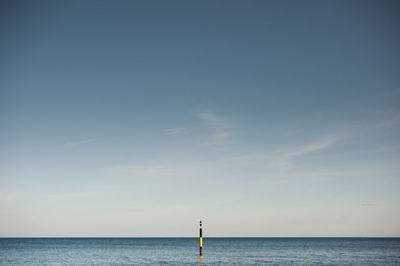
[(286, 156), (78, 143), (212, 129), (218, 127), (271, 164), (177, 131), (319, 145), (283, 157)]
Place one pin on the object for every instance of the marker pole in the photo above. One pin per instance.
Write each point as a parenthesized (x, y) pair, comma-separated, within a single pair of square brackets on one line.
[(201, 240)]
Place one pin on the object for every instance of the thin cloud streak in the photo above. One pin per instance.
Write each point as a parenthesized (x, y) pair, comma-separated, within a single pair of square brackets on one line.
[(78, 143), (320, 145), (220, 130), (284, 156), (272, 162), (177, 131), (213, 129)]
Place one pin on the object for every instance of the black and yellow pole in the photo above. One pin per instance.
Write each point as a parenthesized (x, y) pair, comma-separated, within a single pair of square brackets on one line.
[(201, 240)]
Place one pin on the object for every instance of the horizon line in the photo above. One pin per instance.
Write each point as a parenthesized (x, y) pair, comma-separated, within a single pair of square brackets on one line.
[(1, 237)]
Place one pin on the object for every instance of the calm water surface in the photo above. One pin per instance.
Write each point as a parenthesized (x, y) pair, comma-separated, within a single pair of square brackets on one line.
[(217, 251)]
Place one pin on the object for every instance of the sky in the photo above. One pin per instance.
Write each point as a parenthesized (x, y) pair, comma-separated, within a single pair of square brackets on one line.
[(139, 118)]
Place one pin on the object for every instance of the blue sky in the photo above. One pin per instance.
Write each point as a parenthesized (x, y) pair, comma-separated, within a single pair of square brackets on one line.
[(138, 118)]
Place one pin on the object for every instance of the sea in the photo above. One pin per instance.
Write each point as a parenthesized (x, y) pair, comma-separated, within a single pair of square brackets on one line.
[(185, 251)]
